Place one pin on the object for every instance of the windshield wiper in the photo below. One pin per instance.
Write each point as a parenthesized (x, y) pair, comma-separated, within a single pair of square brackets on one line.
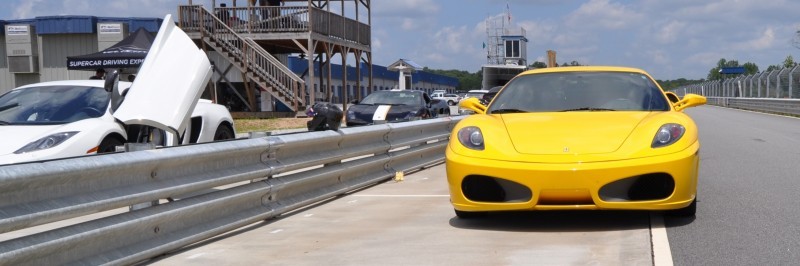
[(587, 109), (3, 108), (508, 111)]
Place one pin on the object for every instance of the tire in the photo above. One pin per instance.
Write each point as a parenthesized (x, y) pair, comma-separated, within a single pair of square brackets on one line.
[(223, 133), (469, 215), (688, 211), (109, 144), (451, 102)]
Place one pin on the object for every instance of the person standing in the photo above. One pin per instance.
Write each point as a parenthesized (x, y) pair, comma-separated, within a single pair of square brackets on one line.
[(223, 14), (99, 74), (274, 10)]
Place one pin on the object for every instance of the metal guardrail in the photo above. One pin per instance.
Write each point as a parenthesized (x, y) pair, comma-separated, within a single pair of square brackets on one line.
[(286, 172), (780, 106)]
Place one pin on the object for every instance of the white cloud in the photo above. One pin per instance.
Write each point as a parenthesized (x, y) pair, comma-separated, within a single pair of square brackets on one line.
[(405, 8), (670, 32), (765, 41), (25, 9), (603, 14), (659, 56)]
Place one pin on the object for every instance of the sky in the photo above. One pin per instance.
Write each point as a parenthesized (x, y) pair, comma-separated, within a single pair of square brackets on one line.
[(669, 39)]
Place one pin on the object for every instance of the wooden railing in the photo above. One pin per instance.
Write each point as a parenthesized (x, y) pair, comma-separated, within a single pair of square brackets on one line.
[(264, 19), (248, 56), (254, 20), (336, 26)]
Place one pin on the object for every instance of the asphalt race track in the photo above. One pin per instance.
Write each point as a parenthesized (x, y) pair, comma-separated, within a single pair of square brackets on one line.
[(747, 213)]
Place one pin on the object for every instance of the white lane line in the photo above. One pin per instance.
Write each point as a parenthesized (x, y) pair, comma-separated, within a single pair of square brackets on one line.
[(196, 255), (401, 196), (662, 256), (276, 231)]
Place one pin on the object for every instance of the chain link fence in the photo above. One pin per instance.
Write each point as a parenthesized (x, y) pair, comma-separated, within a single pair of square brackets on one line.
[(776, 91), (781, 83)]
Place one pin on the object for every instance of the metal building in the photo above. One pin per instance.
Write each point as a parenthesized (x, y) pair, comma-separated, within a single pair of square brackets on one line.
[(36, 50)]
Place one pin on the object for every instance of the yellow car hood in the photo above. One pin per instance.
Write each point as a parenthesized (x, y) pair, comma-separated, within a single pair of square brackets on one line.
[(571, 132)]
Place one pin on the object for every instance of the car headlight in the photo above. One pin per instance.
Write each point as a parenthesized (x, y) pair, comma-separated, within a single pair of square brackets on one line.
[(47, 142), (471, 137), (351, 115), (668, 134)]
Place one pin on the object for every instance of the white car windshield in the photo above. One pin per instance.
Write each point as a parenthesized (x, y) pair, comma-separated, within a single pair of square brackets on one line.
[(52, 105)]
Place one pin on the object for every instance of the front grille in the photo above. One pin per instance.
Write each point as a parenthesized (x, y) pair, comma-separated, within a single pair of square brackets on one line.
[(653, 186), (491, 189)]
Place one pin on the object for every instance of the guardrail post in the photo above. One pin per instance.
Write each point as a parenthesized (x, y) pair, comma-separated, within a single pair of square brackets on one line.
[(131, 147)]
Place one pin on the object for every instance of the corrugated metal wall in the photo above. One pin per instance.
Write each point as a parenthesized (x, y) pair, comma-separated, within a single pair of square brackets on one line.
[(233, 75), (22, 79), (6, 80), (54, 51)]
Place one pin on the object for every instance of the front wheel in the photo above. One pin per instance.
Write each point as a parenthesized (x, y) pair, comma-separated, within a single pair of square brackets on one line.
[(451, 102), (223, 133), (109, 144)]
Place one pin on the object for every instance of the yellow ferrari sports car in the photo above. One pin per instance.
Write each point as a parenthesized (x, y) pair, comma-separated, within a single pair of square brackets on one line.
[(576, 138)]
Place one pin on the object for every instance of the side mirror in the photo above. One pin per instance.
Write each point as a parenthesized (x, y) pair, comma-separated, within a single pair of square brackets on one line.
[(690, 100), (112, 86), (672, 97), (354, 101), (473, 104)]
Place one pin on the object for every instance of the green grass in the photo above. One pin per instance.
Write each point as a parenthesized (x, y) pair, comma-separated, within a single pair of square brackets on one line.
[(270, 124)]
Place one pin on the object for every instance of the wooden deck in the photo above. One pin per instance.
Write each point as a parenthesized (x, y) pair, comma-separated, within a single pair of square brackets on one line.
[(279, 29)]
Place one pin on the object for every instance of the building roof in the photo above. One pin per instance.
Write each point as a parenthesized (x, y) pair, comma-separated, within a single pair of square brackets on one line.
[(404, 63), (83, 24)]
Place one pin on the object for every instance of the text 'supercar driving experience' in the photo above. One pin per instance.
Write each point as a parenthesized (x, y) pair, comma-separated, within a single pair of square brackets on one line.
[(575, 138), (395, 106)]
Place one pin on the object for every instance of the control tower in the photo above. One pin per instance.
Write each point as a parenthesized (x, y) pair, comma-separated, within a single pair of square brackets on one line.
[(507, 52)]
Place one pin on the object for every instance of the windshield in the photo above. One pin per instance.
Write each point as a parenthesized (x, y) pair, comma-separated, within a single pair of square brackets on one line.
[(393, 98), (52, 105), (580, 91)]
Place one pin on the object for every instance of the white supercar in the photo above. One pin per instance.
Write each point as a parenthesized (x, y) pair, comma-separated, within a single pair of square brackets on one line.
[(69, 118)]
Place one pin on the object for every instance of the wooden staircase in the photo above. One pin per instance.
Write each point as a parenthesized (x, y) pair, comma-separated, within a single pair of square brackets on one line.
[(257, 64)]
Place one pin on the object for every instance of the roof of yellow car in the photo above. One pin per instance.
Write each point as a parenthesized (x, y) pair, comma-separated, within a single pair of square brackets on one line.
[(584, 68)]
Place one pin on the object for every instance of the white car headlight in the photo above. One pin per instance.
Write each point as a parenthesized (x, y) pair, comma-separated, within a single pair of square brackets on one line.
[(471, 137), (47, 142), (667, 134)]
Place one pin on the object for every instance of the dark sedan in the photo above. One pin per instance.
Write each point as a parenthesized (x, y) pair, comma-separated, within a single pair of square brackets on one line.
[(394, 106)]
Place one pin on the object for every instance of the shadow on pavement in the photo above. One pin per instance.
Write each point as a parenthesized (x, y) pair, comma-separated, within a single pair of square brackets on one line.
[(556, 221)]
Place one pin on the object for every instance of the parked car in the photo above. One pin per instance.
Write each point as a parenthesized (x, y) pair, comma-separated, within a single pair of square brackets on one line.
[(578, 138), (70, 118), (474, 94), (489, 95), (394, 106), (450, 98)]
